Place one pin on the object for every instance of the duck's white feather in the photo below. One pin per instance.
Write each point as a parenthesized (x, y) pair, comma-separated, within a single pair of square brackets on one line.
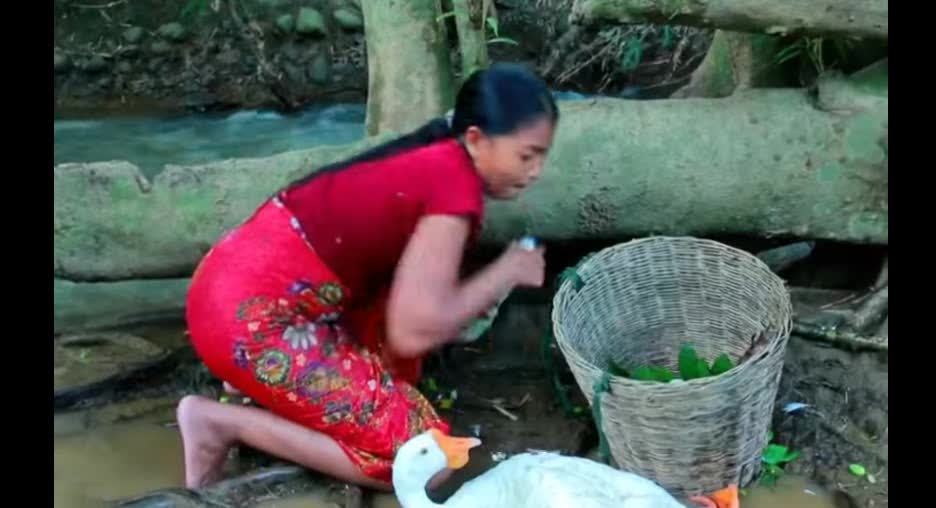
[(550, 480)]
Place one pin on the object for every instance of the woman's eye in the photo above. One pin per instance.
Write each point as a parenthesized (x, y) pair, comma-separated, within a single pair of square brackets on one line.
[(526, 157)]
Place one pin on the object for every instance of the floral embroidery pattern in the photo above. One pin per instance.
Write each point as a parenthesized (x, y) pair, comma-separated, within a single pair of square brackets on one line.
[(336, 411), (300, 336), (366, 412), (330, 294), (241, 356), (318, 380), (299, 287), (272, 367)]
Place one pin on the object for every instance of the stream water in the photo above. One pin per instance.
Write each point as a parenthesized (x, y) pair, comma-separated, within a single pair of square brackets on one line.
[(152, 142)]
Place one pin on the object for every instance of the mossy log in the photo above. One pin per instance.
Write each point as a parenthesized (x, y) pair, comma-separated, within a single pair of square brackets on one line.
[(762, 162), (844, 18)]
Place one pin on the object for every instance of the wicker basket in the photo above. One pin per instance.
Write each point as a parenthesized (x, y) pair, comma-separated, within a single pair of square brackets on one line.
[(640, 303)]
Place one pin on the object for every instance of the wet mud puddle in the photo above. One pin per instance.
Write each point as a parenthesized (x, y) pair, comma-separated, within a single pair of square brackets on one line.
[(108, 463), (103, 464)]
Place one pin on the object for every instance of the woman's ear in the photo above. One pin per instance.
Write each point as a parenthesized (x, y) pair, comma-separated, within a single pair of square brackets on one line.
[(473, 137)]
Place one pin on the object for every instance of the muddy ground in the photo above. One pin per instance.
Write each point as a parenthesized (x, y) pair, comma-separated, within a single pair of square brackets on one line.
[(845, 422)]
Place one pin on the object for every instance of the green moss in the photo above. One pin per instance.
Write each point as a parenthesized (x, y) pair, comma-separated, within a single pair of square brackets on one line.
[(863, 133)]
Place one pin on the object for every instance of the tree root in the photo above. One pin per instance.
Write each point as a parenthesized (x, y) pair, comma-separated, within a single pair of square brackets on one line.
[(847, 339)]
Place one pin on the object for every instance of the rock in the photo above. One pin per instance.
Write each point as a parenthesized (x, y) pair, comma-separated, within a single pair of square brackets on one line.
[(124, 67), (95, 64), (130, 50), (310, 22), (293, 52), (286, 23), (320, 69), (88, 365), (174, 32), (60, 61), (293, 73), (202, 102), (274, 3), (348, 19), (133, 34), (229, 57), (160, 47)]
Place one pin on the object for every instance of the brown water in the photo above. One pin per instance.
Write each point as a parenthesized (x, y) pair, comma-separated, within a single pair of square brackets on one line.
[(122, 460), (313, 500), (114, 462), (789, 492)]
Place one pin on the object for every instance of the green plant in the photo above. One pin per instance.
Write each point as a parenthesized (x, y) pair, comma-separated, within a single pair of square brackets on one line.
[(691, 366), (195, 8), (774, 458), (632, 53), (816, 52), (491, 23)]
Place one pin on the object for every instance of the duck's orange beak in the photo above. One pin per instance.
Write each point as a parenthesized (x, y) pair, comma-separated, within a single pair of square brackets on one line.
[(727, 497), (456, 449), (724, 498)]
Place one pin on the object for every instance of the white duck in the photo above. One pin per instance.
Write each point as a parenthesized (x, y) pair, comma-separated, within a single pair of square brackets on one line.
[(528, 480)]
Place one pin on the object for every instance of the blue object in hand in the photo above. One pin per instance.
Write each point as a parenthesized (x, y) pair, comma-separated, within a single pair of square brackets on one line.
[(528, 242)]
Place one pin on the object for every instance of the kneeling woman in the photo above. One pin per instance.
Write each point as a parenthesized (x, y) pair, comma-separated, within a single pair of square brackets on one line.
[(320, 306)]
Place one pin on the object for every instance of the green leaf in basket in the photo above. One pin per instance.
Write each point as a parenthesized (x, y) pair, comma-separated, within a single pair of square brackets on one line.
[(857, 469), (702, 369), (652, 373), (688, 363), (775, 454), (721, 365), (616, 370)]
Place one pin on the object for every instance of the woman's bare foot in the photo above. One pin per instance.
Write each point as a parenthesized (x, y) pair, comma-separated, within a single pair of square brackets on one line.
[(205, 443), (210, 428)]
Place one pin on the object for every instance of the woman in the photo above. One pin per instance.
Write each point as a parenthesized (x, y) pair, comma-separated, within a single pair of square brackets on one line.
[(320, 306)]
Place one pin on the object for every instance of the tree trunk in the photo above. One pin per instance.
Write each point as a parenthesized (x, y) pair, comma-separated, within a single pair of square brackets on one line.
[(845, 18), (761, 162), (734, 61), (408, 67), (472, 43)]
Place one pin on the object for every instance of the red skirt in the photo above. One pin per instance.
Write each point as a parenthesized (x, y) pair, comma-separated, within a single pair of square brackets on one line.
[(269, 317)]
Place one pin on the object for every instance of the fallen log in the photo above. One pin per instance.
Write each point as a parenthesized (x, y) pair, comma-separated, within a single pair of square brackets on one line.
[(96, 306), (762, 162), (845, 18)]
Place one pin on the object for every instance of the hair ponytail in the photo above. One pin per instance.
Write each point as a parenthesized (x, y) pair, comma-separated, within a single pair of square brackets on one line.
[(498, 100)]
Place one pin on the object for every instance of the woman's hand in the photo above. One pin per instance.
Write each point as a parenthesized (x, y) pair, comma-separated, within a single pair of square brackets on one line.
[(526, 267), (428, 303)]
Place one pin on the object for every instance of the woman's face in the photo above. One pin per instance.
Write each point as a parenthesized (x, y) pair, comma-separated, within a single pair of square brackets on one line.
[(510, 163)]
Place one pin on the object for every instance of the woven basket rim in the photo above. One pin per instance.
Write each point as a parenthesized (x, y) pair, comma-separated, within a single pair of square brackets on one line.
[(774, 340)]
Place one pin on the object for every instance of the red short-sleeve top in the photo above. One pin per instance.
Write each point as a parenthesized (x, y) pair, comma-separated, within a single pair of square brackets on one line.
[(360, 218)]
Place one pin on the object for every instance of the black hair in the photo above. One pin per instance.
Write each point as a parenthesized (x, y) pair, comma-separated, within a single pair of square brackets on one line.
[(498, 100)]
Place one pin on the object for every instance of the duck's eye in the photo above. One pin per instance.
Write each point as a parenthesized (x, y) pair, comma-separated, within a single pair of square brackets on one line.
[(424, 451)]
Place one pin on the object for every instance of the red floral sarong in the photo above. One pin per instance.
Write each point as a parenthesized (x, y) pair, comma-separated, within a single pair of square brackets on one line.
[(268, 316)]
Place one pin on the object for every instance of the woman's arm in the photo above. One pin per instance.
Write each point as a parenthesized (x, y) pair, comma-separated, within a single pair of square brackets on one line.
[(428, 304)]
